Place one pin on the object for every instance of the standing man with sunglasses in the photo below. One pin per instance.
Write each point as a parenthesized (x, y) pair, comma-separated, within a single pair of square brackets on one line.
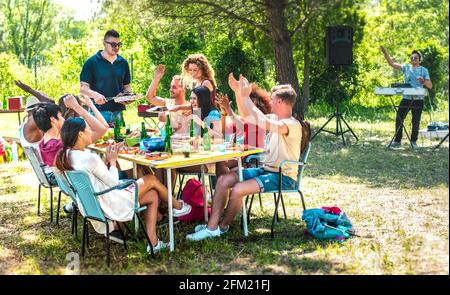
[(417, 76), (107, 74)]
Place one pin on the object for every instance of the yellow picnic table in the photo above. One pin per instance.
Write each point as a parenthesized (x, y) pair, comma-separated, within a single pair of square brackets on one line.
[(179, 161)]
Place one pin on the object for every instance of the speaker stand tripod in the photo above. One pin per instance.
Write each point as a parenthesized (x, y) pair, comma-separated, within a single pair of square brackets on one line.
[(339, 130), (337, 114)]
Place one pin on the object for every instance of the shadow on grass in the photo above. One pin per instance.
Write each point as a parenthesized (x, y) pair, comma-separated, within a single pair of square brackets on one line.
[(372, 163)]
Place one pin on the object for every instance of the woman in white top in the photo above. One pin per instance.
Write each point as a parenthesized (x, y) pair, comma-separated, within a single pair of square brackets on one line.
[(117, 205)]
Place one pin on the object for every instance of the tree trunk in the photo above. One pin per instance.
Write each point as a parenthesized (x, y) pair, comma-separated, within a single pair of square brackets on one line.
[(282, 48)]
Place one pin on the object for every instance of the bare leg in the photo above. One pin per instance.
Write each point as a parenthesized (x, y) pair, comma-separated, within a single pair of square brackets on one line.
[(222, 168), (149, 182), (224, 183), (150, 199), (161, 175), (239, 191)]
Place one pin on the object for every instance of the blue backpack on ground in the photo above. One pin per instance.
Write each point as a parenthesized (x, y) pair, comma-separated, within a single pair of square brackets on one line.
[(328, 223)]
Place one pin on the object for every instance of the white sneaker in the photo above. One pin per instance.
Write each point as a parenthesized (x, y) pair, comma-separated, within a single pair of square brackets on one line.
[(160, 245), (200, 227), (185, 209), (203, 234)]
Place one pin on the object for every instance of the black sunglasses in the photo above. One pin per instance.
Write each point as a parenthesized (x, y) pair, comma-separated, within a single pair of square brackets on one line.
[(114, 44)]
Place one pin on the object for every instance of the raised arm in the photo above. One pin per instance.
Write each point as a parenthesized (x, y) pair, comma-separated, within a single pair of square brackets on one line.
[(42, 97), (87, 101), (245, 89), (98, 128), (389, 59), (151, 92), (234, 85)]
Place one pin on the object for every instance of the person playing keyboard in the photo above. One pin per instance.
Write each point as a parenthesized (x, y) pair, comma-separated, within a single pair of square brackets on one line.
[(417, 76)]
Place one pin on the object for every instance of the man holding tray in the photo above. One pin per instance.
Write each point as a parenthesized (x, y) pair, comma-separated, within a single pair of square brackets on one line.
[(105, 75)]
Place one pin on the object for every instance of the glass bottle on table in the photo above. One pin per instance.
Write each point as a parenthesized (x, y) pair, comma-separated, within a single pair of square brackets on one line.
[(5, 103), (143, 131), (168, 130), (122, 128), (206, 138), (116, 130)]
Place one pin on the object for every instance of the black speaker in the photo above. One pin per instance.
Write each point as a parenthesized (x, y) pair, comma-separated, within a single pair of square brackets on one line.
[(339, 45)]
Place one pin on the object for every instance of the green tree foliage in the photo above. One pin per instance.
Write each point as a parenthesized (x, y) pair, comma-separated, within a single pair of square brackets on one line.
[(153, 35), (11, 70), (28, 27)]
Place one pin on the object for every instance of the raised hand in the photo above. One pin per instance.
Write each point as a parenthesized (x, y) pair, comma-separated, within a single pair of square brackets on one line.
[(244, 86), (383, 49), (232, 82), (159, 71), (71, 102), (224, 102), (86, 100), (112, 152)]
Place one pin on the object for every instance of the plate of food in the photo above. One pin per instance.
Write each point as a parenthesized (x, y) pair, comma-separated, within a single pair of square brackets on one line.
[(157, 156), (126, 97)]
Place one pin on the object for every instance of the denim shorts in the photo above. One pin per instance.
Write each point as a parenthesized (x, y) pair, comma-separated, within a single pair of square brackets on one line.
[(268, 181)]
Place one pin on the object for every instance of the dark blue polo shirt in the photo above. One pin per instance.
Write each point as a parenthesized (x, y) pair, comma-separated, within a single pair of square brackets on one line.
[(106, 78)]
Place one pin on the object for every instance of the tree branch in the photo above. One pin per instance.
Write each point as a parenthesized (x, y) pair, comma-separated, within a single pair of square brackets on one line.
[(220, 9), (302, 21)]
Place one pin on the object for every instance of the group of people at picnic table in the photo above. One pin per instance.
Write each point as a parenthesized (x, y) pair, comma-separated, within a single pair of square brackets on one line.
[(63, 131)]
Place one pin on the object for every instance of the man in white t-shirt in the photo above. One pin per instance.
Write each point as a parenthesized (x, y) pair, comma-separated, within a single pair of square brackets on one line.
[(177, 91), (282, 143)]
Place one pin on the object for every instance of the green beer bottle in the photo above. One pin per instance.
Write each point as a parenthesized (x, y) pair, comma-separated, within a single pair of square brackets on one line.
[(191, 129), (116, 130), (5, 103), (122, 128), (206, 138), (143, 131), (167, 146)]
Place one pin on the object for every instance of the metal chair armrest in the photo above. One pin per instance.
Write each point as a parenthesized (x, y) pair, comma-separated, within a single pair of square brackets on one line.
[(122, 186), (119, 186), (284, 162)]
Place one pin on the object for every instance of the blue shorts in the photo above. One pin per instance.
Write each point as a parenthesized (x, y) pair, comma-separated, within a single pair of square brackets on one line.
[(268, 181)]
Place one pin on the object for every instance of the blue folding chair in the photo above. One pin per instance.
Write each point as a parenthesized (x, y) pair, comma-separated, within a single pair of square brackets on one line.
[(66, 188), (297, 189), (39, 169), (87, 196)]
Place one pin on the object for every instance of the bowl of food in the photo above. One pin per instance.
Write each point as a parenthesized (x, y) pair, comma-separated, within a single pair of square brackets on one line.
[(153, 144)]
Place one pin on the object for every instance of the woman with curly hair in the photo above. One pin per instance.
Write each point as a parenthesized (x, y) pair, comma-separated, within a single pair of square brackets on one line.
[(197, 70)]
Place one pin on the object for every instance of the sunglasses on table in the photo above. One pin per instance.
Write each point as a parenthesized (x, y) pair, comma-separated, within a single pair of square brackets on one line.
[(114, 44)]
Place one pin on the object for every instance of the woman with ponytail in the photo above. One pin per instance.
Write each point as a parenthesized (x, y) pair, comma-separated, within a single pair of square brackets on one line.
[(117, 205)]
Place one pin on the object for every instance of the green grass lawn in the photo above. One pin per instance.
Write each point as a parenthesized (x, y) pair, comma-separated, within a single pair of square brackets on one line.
[(398, 202)]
